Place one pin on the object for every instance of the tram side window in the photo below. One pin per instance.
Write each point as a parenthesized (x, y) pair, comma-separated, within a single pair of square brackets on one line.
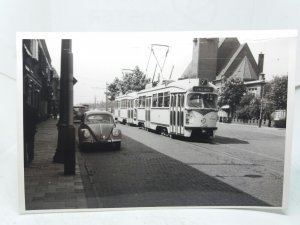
[(172, 101), (182, 100), (154, 100), (139, 102), (166, 99), (143, 101), (160, 99)]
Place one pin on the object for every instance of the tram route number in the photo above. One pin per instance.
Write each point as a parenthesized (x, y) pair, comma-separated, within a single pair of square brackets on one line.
[(203, 89)]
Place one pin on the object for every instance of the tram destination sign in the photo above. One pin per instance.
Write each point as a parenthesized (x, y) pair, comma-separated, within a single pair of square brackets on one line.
[(203, 89)]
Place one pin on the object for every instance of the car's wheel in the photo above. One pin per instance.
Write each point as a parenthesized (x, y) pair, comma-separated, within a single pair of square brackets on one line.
[(117, 145)]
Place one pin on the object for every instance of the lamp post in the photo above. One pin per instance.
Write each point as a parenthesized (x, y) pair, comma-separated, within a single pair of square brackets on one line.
[(65, 151)]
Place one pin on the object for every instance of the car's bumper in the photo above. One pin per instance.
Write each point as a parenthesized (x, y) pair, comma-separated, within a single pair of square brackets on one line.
[(101, 141)]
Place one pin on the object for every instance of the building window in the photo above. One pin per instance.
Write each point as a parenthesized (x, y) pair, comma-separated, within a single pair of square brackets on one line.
[(35, 49)]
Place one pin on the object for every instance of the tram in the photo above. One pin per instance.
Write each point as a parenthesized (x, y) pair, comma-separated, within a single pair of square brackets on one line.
[(186, 107), (124, 108)]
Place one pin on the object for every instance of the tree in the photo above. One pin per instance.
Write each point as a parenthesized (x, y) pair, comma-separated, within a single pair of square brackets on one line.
[(275, 97), (249, 107), (133, 81), (276, 92), (232, 93), (115, 88)]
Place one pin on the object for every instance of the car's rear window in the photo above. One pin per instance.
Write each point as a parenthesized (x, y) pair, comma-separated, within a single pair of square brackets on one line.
[(99, 118)]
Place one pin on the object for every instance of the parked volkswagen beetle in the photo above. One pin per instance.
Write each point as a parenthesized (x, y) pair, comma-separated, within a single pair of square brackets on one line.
[(98, 127)]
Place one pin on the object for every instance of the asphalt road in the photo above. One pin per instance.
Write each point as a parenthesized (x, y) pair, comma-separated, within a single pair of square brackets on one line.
[(243, 166), (247, 158)]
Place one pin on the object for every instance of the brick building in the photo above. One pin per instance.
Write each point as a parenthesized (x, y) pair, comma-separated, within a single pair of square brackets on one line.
[(39, 96), (219, 59)]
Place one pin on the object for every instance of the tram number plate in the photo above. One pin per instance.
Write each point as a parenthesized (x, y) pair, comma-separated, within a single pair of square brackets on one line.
[(203, 89)]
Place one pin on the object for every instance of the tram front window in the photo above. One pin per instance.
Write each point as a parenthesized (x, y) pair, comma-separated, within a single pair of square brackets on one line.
[(199, 100)]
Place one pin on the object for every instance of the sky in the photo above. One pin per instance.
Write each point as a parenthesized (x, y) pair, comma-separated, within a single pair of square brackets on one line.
[(100, 57)]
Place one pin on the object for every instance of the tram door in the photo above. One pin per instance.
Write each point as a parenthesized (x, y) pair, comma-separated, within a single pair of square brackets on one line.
[(128, 108), (147, 112), (176, 113), (119, 108)]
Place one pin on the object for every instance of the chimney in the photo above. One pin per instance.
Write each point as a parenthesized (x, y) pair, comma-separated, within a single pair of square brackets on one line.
[(204, 61), (260, 64), (262, 76)]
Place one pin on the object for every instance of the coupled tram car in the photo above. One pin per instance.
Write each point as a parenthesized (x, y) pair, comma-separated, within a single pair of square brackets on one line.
[(185, 107)]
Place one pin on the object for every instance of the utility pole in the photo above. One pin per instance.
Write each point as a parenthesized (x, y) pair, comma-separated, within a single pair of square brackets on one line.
[(261, 103), (66, 131), (106, 99)]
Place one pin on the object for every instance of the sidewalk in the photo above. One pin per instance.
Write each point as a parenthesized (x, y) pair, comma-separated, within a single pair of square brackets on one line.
[(46, 186)]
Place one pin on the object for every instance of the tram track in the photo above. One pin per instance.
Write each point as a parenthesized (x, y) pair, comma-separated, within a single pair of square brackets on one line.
[(200, 147), (246, 162)]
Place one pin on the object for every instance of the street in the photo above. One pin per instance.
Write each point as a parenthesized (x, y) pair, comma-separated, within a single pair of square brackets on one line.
[(242, 166)]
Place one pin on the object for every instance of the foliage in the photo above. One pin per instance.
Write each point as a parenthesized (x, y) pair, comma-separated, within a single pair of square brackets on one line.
[(276, 92), (114, 88), (133, 81), (249, 107), (232, 93)]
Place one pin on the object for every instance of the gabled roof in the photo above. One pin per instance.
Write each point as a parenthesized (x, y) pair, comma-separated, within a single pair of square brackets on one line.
[(227, 48), (245, 71), (236, 60)]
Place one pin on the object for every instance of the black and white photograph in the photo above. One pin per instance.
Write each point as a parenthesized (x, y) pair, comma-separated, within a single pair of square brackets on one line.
[(157, 119)]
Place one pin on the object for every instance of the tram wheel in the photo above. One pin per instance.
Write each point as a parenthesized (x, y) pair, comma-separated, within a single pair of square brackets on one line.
[(164, 132)]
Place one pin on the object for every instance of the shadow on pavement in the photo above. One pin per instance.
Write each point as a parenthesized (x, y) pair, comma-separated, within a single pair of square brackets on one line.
[(99, 148), (227, 140), (216, 141)]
